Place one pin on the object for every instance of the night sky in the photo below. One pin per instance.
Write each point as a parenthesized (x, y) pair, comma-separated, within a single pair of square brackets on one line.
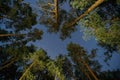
[(55, 46)]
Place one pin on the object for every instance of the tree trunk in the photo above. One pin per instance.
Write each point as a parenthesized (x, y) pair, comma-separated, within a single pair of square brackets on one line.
[(96, 4), (89, 69), (25, 73)]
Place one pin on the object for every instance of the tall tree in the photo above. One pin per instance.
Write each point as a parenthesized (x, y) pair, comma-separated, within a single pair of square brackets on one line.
[(102, 22), (16, 21), (66, 66), (55, 18), (41, 67), (82, 61), (19, 61)]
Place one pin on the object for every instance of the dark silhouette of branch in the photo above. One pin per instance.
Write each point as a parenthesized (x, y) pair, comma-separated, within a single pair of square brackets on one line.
[(7, 35)]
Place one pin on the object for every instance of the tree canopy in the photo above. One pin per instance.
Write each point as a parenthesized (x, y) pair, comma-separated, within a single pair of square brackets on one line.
[(103, 23), (97, 18)]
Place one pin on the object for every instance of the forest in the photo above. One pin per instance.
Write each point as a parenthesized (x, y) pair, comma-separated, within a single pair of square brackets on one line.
[(22, 60)]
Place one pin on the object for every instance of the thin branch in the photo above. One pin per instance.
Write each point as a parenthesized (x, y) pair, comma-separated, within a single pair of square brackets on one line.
[(13, 60), (8, 61), (6, 35), (50, 4), (96, 4)]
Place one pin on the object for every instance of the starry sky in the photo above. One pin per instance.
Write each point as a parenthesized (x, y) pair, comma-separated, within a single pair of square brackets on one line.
[(55, 46)]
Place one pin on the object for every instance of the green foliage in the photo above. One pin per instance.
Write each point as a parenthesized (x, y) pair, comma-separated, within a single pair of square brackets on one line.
[(78, 54), (24, 61), (65, 66), (63, 19), (104, 31), (81, 4), (103, 24), (41, 63), (29, 76), (16, 17), (66, 32), (87, 32), (118, 2)]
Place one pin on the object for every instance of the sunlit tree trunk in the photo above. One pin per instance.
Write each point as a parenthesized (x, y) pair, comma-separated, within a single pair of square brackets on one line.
[(25, 73), (56, 10), (96, 4), (88, 68)]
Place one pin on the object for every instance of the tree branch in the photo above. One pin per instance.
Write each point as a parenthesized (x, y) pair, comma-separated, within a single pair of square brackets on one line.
[(6, 35), (12, 61)]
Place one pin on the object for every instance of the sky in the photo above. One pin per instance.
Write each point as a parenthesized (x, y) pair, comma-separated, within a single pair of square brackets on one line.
[(55, 46)]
